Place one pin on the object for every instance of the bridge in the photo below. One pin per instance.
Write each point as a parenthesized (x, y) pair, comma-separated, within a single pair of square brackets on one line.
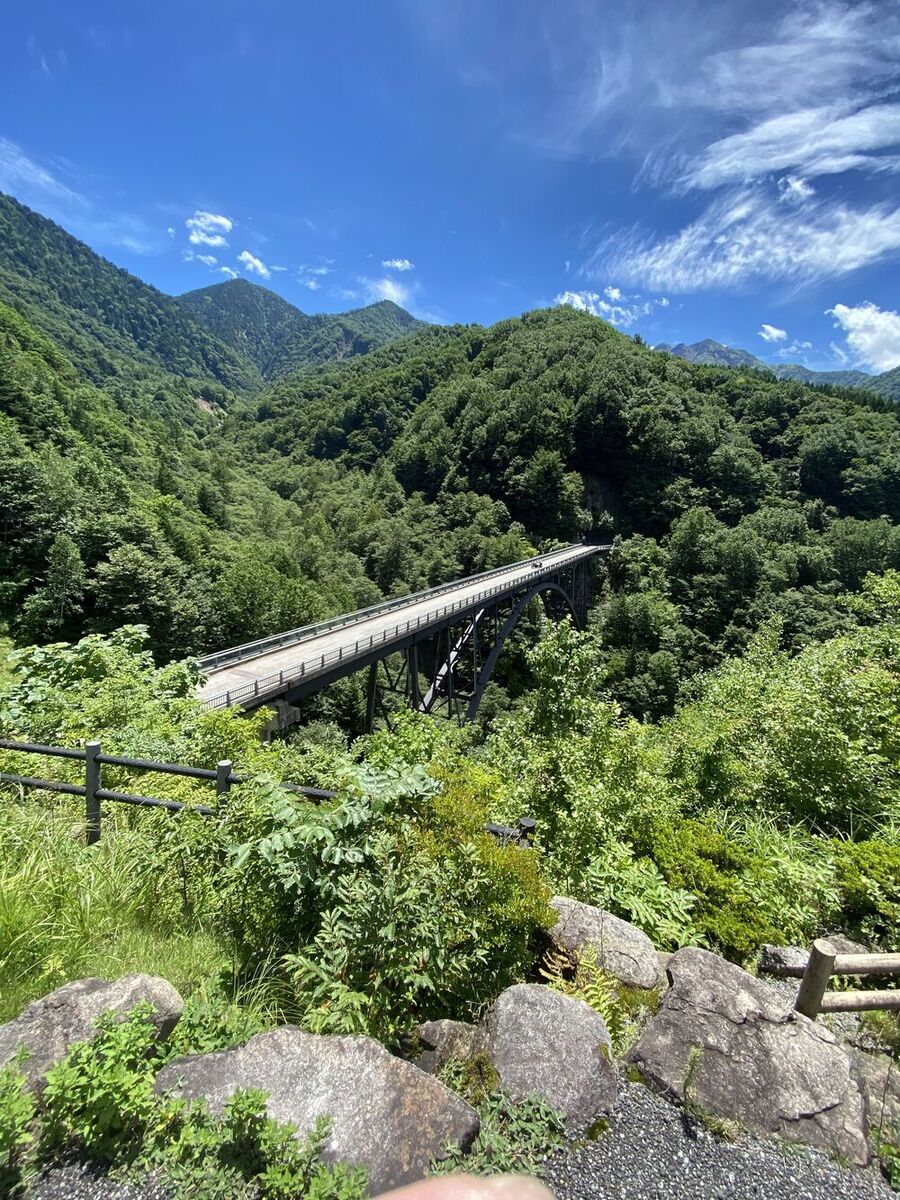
[(444, 642)]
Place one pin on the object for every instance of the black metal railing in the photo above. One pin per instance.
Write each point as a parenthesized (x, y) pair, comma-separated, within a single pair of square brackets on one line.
[(223, 777)]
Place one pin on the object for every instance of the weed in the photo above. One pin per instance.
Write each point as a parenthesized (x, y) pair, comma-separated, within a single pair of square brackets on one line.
[(512, 1138), (17, 1111)]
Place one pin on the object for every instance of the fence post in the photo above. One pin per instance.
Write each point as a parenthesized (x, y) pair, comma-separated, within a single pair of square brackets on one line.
[(815, 978), (92, 784), (223, 776)]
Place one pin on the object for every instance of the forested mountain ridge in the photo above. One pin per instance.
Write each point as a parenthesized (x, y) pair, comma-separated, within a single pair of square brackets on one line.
[(102, 316), (279, 338), (714, 353), (736, 495), (446, 451)]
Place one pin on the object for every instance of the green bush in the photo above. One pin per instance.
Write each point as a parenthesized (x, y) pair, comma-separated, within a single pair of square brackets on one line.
[(719, 872), (868, 875), (17, 1114)]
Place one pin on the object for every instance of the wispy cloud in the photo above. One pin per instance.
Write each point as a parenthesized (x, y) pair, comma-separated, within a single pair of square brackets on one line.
[(208, 260), (872, 334), (397, 264), (254, 265), (229, 271), (208, 229), (771, 333), (617, 308), (749, 236), (386, 289), (36, 185), (312, 284)]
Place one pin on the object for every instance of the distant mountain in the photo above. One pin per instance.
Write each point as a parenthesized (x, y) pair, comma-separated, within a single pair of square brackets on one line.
[(715, 354), (106, 320), (279, 338)]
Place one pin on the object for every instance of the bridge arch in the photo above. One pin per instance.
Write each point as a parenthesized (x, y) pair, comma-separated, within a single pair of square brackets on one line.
[(543, 588)]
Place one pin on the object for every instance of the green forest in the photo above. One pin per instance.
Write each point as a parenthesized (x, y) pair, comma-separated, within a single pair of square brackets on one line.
[(715, 757)]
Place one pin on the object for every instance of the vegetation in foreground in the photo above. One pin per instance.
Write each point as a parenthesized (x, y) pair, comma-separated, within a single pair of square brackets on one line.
[(766, 809)]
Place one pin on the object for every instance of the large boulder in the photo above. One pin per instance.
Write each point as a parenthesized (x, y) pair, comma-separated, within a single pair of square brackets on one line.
[(47, 1028), (386, 1115), (542, 1041), (622, 950), (732, 1045)]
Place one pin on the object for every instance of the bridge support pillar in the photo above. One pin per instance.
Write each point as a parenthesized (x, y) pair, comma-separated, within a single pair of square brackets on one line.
[(371, 694)]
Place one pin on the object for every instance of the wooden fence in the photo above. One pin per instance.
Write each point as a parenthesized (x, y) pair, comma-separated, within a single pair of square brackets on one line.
[(94, 793), (824, 961)]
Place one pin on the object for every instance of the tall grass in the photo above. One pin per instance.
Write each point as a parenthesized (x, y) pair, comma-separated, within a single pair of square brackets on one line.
[(68, 910)]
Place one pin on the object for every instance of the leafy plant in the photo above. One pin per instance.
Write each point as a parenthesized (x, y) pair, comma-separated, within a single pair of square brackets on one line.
[(17, 1137), (513, 1138)]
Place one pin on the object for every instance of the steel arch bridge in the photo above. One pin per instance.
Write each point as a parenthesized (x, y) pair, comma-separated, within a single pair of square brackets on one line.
[(438, 648)]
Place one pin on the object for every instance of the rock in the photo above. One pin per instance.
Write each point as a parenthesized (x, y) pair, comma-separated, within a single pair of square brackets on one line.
[(386, 1115), (844, 945), (760, 1063), (442, 1040), (542, 1041), (775, 960), (48, 1027), (878, 1077), (622, 950)]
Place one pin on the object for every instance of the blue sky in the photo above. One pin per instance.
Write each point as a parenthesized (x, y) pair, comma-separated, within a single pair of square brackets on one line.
[(681, 168)]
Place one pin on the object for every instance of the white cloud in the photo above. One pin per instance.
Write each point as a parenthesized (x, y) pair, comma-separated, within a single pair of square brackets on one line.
[(794, 189), (814, 141), (386, 289), (748, 235), (312, 284), (254, 265), (771, 333), (232, 274), (397, 264), (208, 260), (612, 293), (873, 334), (208, 229), (622, 310), (170, 231), (797, 349), (22, 176)]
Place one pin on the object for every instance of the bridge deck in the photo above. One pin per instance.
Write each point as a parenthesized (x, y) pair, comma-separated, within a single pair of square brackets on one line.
[(266, 674)]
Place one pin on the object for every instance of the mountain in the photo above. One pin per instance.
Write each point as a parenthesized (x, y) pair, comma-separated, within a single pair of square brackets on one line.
[(714, 353), (106, 320), (279, 338)]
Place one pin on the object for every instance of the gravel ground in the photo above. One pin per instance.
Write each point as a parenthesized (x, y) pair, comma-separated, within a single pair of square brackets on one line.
[(653, 1151), (84, 1183)]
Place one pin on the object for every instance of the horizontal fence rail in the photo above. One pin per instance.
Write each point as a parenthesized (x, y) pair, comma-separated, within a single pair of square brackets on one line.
[(317, 664), (825, 961), (223, 776)]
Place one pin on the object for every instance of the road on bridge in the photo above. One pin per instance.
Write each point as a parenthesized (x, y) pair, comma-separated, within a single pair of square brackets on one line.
[(259, 674)]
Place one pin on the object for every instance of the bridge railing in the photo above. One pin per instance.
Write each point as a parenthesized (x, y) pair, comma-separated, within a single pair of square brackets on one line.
[(277, 681), (223, 776), (224, 658)]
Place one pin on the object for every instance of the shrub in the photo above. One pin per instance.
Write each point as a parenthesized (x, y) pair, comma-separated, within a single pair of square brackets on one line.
[(868, 875), (17, 1113)]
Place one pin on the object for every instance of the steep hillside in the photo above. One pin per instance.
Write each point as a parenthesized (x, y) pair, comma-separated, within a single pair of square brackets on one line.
[(739, 496), (280, 338), (105, 318)]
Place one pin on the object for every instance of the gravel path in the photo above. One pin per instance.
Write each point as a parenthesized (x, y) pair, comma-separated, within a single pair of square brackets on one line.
[(653, 1151)]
